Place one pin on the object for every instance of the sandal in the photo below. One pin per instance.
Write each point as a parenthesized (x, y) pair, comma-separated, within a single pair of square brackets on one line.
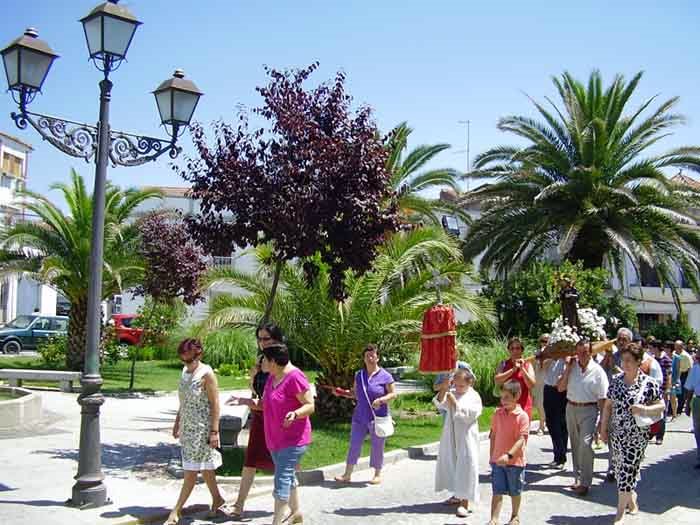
[(215, 509), (342, 479), (173, 521), (514, 521), (237, 511)]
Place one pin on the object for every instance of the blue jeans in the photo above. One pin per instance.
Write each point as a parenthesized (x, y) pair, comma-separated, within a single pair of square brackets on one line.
[(508, 480), (286, 460)]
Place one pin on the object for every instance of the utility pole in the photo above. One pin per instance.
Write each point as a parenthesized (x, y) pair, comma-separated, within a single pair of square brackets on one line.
[(468, 124)]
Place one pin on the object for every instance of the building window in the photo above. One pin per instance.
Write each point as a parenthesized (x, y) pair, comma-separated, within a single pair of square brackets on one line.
[(12, 165), (5, 181), (648, 275)]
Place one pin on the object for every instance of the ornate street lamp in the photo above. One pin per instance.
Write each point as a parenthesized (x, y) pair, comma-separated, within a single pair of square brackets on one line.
[(109, 30)]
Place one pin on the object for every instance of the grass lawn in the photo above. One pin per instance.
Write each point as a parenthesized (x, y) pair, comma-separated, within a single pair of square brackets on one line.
[(151, 376), (417, 423)]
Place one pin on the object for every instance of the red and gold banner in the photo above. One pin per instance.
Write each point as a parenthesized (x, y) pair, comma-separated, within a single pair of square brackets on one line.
[(438, 340)]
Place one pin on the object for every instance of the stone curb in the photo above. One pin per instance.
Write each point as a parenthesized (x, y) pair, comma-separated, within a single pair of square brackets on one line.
[(310, 477)]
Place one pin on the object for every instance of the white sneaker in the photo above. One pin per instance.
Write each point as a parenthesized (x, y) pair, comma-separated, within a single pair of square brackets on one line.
[(462, 512)]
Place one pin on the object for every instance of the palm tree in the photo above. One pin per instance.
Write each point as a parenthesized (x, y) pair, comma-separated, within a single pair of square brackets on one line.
[(582, 186), (56, 249), (383, 306), (408, 181)]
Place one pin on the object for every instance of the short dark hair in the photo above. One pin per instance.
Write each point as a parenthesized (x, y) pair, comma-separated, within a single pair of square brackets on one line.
[(515, 341), (279, 354), (584, 341), (190, 344), (635, 351), (369, 348), (272, 329)]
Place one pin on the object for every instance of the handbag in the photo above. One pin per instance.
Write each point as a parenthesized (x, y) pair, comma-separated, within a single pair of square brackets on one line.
[(383, 425), (641, 420)]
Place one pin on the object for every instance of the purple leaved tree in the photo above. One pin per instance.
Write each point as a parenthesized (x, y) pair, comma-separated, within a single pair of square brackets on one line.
[(174, 263), (313, 181)]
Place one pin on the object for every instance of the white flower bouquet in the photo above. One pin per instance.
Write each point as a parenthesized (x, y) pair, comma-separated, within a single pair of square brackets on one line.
[(592, 327)]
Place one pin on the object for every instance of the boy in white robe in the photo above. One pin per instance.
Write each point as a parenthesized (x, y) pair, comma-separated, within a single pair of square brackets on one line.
[(458, 458)]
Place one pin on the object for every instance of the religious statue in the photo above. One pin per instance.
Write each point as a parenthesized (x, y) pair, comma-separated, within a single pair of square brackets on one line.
[(568, 297)]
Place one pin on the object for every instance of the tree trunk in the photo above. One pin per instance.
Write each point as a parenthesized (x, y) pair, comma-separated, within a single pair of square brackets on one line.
[(279, 264), (77, 335), (590, 247)]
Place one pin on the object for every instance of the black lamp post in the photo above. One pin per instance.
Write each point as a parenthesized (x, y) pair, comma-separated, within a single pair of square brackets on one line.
[(109, 29)]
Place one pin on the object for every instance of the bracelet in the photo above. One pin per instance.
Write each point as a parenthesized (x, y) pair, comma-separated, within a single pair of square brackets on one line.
[(214, 432)]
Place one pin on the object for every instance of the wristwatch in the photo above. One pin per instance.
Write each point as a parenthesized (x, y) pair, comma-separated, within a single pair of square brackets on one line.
[(510, 456)]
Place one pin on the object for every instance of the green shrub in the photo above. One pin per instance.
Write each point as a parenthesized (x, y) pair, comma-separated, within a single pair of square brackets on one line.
[(53, 351), (165, 351), (484, 358), (229, 370), (678, 328), (145, 353), (233, 347), (158, 320)]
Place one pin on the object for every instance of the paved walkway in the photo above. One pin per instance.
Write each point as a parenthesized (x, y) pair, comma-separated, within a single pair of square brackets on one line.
[(669, 492), (36, 471)]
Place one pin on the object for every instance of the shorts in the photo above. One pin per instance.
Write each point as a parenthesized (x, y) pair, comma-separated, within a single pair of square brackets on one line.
[(508, 480), (286, 461)]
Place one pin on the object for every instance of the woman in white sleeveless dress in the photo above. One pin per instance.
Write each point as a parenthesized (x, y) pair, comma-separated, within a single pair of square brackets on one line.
[(197, 427)]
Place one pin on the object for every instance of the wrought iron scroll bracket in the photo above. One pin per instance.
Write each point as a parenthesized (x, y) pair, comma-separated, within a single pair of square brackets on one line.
[(81, 140)]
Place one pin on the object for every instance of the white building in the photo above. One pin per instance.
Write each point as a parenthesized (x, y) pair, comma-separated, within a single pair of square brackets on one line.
[(652, 303), (18, 295)]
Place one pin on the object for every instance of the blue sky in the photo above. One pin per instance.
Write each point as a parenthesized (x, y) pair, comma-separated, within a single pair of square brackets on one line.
[(429, 63)]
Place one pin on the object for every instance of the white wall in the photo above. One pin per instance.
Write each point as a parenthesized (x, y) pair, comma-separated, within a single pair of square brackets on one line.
[(31, 295)]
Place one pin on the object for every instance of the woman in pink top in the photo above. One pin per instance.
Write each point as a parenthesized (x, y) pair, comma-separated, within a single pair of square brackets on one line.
[(287, 405)]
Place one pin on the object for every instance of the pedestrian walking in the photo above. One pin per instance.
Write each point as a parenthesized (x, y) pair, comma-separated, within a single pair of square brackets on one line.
[(510, 428), (457, 468), (517, 369), (287, 405), (692, 399), (555, 411), (685, 364), (197, 427), (257, 455), (658, 430), (586, 385), (374, 390), (630, 394)]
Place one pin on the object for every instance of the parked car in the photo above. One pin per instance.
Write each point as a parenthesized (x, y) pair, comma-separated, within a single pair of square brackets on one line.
[(126, 334), (26, 332)]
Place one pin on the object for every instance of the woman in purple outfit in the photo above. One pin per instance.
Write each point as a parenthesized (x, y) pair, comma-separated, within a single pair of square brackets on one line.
[(373, 390)]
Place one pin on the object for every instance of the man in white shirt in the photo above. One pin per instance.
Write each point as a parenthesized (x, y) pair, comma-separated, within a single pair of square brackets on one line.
[(685, 363), (692, 397), (586, 385)]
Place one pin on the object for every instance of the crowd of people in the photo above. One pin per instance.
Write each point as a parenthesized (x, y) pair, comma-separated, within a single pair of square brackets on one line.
[(621, 396)]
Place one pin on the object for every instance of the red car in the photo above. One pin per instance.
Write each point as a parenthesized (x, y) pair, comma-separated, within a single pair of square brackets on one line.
[(125, 333)]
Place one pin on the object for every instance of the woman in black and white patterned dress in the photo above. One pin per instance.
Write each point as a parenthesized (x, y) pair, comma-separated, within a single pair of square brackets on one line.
[(630, 393)]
